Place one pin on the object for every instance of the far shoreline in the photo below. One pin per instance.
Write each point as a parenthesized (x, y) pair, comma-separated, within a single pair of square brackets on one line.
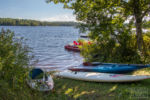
[(29, 22)]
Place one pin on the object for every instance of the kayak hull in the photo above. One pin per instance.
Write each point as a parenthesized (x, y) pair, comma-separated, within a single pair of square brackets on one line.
[(100, 77), (108, 68)]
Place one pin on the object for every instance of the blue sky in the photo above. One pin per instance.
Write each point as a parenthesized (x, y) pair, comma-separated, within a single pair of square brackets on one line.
[(35, 9)]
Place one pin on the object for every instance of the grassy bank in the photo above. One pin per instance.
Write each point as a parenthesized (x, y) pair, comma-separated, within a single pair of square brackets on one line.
[(68, 89)]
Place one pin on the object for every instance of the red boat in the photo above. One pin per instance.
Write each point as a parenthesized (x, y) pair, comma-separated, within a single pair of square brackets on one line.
[(72, 48)]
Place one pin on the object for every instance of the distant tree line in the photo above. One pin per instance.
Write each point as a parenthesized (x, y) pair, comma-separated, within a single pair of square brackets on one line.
[(26, 22)]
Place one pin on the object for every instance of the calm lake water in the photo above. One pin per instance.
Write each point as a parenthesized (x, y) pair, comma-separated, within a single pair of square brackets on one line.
[(48, 44)]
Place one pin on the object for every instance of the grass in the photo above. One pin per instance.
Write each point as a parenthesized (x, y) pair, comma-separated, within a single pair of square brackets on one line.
[(68, 89), (145, 71)]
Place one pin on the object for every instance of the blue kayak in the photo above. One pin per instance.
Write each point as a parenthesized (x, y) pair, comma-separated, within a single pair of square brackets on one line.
[(109, 67)]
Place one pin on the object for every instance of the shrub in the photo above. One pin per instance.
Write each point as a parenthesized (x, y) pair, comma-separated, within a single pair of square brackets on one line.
[(14, 60), (121, 49)]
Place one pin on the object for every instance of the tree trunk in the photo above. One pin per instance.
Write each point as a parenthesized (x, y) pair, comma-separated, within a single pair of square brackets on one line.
[(138, 23), (139, 33)]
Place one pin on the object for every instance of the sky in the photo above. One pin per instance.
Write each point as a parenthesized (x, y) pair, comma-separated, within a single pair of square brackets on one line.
[(35, 9)]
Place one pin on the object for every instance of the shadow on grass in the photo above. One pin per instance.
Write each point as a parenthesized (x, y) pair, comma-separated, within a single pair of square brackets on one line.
[(69, 89)]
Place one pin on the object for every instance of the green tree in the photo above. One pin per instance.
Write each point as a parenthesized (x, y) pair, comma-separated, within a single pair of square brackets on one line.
[(138, 9), (106, 20), (104, 12)]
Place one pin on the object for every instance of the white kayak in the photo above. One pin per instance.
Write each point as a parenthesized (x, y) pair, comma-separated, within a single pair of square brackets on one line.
[(100, 77)]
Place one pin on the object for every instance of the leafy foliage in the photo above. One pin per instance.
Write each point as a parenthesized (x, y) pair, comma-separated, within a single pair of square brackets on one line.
[(14, 60), (110, 25), (146, 24), (121, 52)]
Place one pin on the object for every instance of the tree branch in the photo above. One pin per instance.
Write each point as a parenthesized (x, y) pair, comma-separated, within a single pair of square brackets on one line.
[(146, 11)]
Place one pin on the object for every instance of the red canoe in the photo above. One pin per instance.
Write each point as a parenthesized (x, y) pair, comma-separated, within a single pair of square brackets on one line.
[(72, 48)]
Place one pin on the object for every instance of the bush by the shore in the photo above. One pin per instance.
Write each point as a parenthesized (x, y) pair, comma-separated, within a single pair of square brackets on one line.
[(14, 60)]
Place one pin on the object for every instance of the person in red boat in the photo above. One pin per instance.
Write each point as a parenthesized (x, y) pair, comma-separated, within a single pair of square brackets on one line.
[(75, 43)]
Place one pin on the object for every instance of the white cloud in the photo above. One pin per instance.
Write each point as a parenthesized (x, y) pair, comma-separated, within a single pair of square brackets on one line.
[(65, 17)]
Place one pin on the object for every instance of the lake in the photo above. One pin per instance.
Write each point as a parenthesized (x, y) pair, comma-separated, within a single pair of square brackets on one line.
[(48, 44)]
